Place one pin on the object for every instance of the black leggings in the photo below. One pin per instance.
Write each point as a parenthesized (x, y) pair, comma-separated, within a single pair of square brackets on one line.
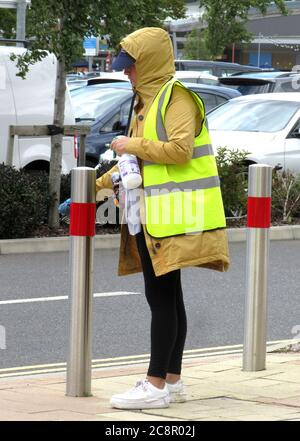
[(168, 322)]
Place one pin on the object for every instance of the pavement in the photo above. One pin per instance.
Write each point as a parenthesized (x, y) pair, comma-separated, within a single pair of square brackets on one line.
[(217, 387)]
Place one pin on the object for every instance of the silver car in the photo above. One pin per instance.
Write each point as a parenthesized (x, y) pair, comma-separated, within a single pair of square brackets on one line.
[(265, 125)]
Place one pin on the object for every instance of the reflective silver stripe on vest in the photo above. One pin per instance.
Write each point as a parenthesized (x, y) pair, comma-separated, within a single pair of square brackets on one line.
[(160, 128), (199, 152), (203, 150), (195, 184)]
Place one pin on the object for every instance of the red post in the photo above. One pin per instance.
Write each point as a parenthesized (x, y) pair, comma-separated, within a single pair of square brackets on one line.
[(258, 223), (82, 232), (82, 219), (259, 212)]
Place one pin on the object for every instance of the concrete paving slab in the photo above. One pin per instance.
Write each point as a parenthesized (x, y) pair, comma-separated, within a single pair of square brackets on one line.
[(137, 416), (222, 395)]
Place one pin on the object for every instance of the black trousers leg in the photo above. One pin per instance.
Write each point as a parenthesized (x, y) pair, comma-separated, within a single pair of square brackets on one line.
[(168, 317)]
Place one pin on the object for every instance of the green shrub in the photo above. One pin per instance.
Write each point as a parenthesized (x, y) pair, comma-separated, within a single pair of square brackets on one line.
[(233, 179), (285, 196), (24, 201), (24, 196)]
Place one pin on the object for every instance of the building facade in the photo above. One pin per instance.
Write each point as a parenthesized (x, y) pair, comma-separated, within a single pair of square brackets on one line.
[(276, 38)]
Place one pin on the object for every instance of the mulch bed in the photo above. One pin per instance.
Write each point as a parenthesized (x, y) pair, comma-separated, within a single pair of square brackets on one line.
[(63, 230)]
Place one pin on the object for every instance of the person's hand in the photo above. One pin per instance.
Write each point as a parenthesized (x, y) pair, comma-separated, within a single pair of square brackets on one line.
[(118, 145)]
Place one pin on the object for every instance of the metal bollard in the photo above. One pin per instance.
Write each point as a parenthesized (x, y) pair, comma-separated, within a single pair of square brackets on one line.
[(258, 223), (82, 232)]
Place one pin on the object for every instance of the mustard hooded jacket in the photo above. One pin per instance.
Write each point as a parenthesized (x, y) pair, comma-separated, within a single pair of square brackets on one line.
[(152, 49)]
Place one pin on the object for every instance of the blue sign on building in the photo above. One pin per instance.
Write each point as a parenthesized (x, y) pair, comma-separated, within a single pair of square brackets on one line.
[(265, 59), (90, 45)]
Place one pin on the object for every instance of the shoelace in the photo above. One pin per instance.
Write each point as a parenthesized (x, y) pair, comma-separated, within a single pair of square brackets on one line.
[(142, 384)]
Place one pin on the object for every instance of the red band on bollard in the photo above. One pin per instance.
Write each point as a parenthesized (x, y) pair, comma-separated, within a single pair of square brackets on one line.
[(82, 219), (259, 212)]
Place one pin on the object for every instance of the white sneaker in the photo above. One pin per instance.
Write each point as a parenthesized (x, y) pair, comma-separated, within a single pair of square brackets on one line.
[(143, 396), (177, 392)]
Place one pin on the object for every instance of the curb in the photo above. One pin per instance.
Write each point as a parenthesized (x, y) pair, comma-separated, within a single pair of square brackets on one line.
[(111, 241), (286, 232), (132, 361), (53, 244)]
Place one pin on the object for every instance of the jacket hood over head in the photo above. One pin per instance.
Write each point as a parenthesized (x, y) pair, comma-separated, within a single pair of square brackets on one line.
[(154, 59)]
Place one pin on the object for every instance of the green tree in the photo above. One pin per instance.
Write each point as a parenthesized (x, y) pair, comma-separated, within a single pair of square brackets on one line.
[(59, 26), (195, 47), (226, 21), (7, 23)]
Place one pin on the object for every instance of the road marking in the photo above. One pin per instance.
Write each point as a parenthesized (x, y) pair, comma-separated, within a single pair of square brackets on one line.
[(116, 293), (132, 359), (53, 299)]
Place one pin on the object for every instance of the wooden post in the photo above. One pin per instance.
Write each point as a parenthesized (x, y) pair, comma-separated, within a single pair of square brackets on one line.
[(81, 156), (31, 131), (10, 147)]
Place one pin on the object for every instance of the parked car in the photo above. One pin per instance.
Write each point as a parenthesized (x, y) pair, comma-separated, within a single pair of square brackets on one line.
[(266, 125), (192, 76), (77, 81), (182, 75), (217, 68), (105, 107), (263, 82), (31, 102), (108, 77), (212, 96)]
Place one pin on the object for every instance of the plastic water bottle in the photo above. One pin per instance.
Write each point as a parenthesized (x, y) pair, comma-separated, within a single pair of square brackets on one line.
[(129, 171)]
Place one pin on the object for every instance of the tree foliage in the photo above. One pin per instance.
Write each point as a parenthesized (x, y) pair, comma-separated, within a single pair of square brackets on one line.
[(226, 21), (59, 27), (195, 47), (7, 23)]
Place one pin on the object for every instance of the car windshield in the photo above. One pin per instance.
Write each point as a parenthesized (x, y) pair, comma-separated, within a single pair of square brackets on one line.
[(94, 103), (247, 116)]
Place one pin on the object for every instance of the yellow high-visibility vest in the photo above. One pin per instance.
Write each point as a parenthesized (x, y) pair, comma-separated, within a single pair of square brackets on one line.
[(181, 198)]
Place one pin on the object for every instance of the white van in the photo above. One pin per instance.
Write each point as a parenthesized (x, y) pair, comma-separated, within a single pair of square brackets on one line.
[(31, 102)]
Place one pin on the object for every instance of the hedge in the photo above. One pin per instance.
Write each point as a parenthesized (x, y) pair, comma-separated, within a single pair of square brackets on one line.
[(24, 200), (24, 196)]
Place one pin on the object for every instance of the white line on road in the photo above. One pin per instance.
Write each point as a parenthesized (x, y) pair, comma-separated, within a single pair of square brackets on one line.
[(52, 299)]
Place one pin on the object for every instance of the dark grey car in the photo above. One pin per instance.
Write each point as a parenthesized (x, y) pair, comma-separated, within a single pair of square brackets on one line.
[(105, 107)]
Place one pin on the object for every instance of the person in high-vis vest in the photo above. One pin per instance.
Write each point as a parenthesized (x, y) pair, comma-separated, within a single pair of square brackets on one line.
[(181, 210)]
